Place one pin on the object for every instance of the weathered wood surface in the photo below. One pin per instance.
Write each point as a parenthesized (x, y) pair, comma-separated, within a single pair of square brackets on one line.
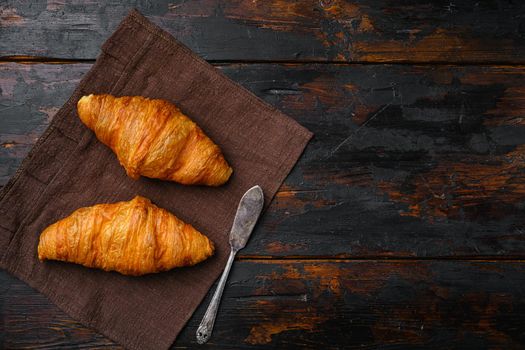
[(407, 160), (325, 30), (322, 305)]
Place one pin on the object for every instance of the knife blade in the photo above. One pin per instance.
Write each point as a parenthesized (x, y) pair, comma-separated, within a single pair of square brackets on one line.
[(248, 212)]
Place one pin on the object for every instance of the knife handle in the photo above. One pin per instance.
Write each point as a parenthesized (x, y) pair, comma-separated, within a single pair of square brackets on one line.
[(206, 326)]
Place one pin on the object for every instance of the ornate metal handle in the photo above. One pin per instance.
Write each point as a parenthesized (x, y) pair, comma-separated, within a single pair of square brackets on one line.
[(206, 326)]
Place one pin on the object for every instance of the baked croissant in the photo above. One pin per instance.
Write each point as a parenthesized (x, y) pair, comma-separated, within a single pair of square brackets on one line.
[(133, 238), (155, 139)]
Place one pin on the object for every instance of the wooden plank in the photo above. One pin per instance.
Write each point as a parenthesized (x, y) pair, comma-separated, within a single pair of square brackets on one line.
[(321, 30), (319, 304), (406, 161), (29, 98)]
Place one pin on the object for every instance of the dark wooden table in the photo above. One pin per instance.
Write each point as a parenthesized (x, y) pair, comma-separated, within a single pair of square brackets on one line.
[(403, 224)]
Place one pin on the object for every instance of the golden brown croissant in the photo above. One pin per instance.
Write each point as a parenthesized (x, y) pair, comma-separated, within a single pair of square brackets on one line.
[(133, 238), (154, 138)]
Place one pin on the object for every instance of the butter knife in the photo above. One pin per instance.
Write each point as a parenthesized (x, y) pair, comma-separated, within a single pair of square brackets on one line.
[(248, 212)]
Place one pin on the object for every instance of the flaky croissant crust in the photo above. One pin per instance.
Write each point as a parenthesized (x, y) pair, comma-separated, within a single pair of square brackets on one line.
[(134, 238), (153, 138)]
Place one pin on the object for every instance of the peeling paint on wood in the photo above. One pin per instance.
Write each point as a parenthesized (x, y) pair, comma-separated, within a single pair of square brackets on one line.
[(371, 31), (427, 161), (476, 188), (9, 18), (322, 304), (408, 161)]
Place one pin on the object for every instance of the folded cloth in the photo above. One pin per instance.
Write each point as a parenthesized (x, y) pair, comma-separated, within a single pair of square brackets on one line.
[(69, 168)]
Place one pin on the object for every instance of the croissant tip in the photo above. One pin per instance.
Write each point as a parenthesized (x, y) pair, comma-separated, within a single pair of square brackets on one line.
[(84, 98), (212, 247), (139, 199), (230, 172), (220, 180), (41, 255)]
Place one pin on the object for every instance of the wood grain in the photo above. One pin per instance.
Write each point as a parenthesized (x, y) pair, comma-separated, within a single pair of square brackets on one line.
[(417, 161), (413, 166), (306, 30), (321, 304)]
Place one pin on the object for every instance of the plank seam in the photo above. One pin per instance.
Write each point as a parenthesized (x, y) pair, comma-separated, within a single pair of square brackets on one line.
[(313, 258), (22, 59)]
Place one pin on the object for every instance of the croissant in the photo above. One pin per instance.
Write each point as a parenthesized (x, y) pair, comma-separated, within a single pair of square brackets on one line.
[(155, 139), (133, 238)]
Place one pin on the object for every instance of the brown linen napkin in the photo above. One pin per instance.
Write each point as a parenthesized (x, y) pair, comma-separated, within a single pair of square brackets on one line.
[(69, 168)]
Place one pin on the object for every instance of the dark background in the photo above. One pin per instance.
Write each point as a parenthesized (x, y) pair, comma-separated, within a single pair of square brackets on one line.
[(401, 226)]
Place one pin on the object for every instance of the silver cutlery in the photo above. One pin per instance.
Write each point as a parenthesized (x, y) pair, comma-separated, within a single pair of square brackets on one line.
[(248, 212)]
